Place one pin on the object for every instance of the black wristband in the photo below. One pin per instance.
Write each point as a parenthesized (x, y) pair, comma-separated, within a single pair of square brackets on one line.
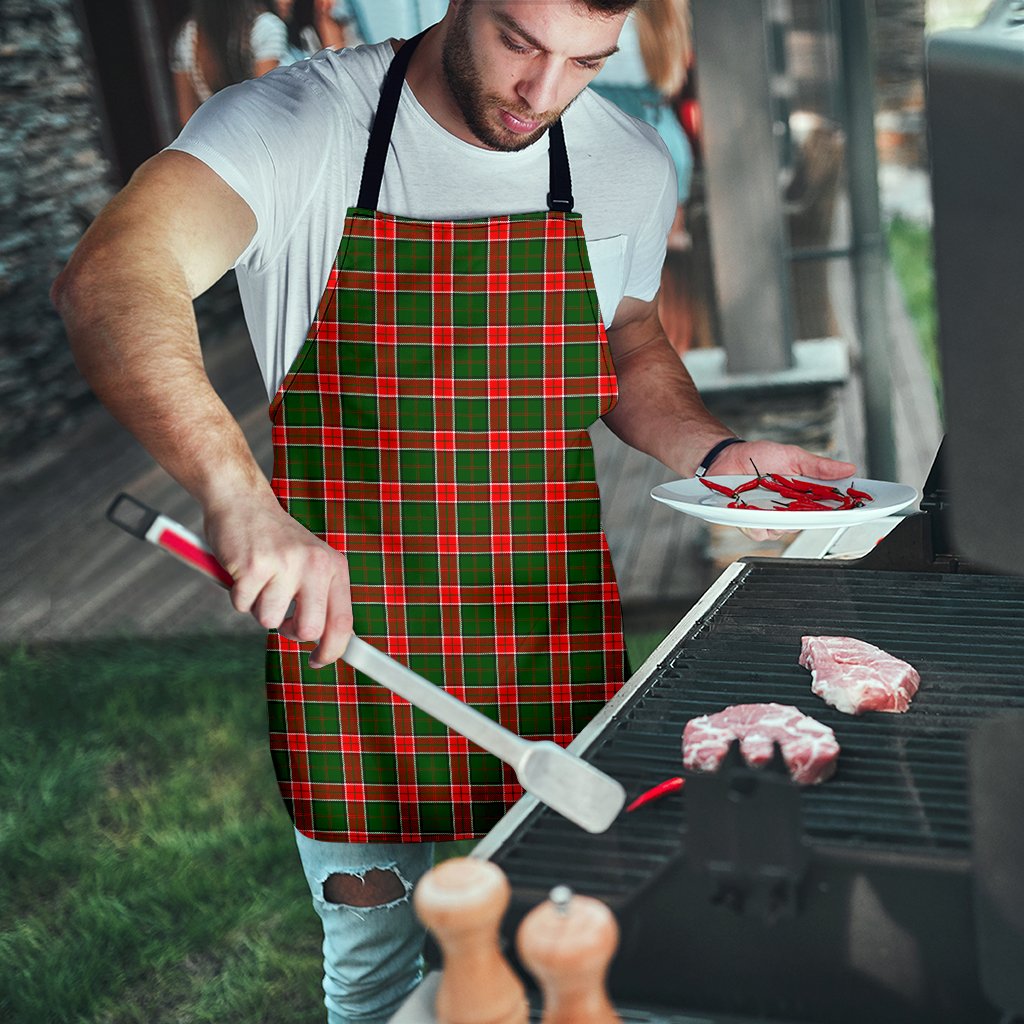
[(705, 463)]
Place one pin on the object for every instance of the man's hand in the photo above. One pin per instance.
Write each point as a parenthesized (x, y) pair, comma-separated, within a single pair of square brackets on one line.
[(772, 457), (274, 562)]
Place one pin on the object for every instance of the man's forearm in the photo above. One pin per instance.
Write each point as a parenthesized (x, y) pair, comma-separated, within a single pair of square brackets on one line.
[(660, 411)]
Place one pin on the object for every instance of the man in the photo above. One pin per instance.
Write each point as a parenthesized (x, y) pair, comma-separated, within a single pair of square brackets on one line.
[(429, 426)]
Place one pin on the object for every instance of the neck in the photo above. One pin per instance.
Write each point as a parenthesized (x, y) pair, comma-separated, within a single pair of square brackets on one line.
[(426, 78)]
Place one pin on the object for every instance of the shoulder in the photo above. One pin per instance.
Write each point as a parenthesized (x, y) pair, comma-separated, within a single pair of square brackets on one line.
[(186, 31), (275, 135), (363, 65), (330, 91), (348, 77), (267, 22), (600, 125), (596, 118)]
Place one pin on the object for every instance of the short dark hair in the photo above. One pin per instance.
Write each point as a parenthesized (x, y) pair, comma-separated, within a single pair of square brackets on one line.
[(609, 6)]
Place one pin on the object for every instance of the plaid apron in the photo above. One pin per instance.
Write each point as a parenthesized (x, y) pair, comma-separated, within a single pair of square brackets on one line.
[(434, 429)]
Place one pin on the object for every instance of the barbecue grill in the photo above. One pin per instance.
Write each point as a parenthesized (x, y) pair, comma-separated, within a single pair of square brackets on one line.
[(746, 897)]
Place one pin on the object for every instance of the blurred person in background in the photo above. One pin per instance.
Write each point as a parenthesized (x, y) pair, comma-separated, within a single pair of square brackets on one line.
[(221, 43), (373, 21), (646, 78), (314, 25)]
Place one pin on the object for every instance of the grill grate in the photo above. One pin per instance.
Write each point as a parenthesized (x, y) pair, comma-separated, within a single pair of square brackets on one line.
[(901, 786)]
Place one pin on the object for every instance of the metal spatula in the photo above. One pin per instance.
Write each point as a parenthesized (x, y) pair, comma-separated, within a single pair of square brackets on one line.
[(573, 788)]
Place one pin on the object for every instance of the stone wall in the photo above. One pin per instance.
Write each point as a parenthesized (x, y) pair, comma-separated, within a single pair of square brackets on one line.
[(54, 178)]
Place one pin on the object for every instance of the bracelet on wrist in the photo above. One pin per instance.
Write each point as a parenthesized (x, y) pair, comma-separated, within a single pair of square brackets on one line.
[(705, 463)]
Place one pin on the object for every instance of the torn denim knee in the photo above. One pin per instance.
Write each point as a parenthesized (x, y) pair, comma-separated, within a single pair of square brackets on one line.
[(395, 889)]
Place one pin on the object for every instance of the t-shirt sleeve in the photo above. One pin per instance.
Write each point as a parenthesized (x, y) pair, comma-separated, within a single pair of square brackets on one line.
[(269, 140), (269, 38), (652, 235)]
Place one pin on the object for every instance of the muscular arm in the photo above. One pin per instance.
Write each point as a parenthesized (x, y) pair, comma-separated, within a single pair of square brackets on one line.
[(126, 299), (660, 412)]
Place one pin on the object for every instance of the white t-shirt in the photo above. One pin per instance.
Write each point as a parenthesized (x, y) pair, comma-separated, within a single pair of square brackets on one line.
[(292, 144)]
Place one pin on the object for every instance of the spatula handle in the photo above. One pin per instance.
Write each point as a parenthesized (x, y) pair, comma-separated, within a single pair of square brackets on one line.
[(147, 524), (465, 720)]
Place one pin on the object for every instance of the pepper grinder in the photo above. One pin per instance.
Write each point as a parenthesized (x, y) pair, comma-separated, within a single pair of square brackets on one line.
[(462, 901), (567, 943)]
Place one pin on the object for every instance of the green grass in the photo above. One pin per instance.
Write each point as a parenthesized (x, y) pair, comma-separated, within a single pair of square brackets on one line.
[(147, 871), (641, 646), (147, 867), (910, 248)]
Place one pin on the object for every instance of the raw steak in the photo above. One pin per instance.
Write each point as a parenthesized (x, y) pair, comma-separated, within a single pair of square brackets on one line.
[(809, 748), (855, 677)]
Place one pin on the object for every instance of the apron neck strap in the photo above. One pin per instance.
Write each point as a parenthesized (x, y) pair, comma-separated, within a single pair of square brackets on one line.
[(560, 195), (383, 122), (559, 198)]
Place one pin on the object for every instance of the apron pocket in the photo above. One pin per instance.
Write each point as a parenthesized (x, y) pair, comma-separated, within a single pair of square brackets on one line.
[(608, 263)]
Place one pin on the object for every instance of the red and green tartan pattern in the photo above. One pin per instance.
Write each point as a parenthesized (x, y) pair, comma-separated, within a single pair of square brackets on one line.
[(434, 429)]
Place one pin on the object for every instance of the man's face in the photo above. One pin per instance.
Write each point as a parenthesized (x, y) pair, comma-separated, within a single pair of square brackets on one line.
[(513, 66)]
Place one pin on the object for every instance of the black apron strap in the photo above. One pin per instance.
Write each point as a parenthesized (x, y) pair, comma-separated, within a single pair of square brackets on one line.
[(560, 198), (383, 122)]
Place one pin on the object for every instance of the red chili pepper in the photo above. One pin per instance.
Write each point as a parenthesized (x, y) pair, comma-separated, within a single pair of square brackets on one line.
[(789, 492), (807, 505), (721, 488), (770, 484), (862, 495), (809, 487), (749, 485), (793, 485), (656, 793)]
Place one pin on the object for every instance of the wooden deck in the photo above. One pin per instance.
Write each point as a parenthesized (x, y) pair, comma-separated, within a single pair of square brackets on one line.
[(69, 574)]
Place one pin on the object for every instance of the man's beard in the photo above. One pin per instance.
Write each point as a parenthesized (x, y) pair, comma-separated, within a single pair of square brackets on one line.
[(465, 85)]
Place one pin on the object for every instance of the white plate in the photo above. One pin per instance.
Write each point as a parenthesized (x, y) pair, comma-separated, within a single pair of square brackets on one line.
[(693, 498)]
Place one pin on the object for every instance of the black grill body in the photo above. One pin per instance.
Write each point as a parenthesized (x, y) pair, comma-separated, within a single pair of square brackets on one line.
[(844, 902)]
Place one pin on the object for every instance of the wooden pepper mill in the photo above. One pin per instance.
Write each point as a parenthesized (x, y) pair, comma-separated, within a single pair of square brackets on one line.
[(462, 902), (567, 943)]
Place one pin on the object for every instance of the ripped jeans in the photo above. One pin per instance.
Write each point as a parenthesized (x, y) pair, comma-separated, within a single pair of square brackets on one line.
[(373, 943)]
